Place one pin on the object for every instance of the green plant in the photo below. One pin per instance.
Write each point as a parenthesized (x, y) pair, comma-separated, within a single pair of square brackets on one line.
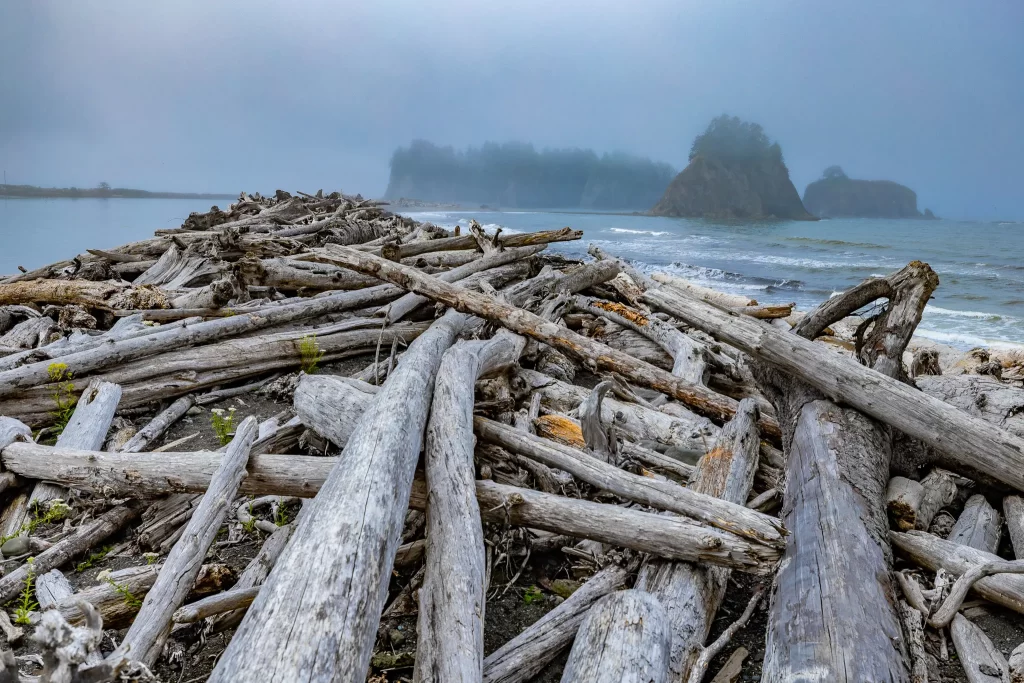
[(93, 557), (56, 512), (249, 525), (223, 422), (63, 395), (310, 352), (26, 603), (129, 598), (281, 515), (532, 595)]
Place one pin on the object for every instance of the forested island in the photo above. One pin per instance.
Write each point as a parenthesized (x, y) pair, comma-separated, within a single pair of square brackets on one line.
[(101, 191), (735, 172), (515, 175), (836, 195)]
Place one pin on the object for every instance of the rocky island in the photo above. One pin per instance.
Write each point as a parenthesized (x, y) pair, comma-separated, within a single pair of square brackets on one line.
[(735, 171), (836, 195)]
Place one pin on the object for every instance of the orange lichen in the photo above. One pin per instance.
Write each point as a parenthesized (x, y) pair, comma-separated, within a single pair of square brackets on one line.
[(561, 429), (629, 314)]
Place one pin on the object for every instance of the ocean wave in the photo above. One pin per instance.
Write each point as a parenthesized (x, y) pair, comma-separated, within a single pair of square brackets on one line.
[(938, 310), (838, 243), (655, 233)]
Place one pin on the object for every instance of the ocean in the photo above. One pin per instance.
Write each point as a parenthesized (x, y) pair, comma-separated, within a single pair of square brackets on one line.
[(979, 302)]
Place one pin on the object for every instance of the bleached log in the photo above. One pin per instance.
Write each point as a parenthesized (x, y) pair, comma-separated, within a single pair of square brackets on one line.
[(912, 504), (913, 630), (450, 629), (933, 553), (525, 239), (982, 396), (145, 639), (623, 639), (690, 593), (978, 526), (1013, 509), (62, 551), (28, 334), (959, 437), (344, 547), (560, 338), (689, 362), (12, 430), (522, 658), (158, 425), (982, 662), (101, 295), (941, 617), (228, 601), (705, 294), (86, 430), (51, 588)]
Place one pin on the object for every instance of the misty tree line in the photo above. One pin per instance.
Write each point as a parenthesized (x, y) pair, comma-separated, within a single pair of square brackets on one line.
[(730, 139), (516, 174)]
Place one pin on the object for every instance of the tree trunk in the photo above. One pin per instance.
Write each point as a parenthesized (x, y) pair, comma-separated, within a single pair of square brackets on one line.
[(145, 639), (316, 616), (978, 526), (912, 504), (690, 593), (522, 658), (1013, 509), (623, 639)]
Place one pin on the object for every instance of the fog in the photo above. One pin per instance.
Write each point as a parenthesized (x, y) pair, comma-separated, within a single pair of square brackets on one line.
[(225, 96)]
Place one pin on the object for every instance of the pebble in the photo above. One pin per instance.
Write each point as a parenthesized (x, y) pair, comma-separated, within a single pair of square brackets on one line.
[(15, 546)]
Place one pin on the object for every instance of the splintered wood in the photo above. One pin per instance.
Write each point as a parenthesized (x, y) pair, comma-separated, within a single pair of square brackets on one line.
[(572, 420)]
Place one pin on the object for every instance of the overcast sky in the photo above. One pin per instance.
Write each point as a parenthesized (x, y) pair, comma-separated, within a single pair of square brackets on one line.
[(231, 95)]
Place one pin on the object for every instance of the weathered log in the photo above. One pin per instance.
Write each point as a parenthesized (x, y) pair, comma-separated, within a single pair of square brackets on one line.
[(961, 438), (84, 538), (689, 501), (12, 430), (86, 430), (933, 553), (51, 588), (523, 657), (983, 396), (176, 269), (158, 425), (624, 638), (982, 662), (1013, 509), (688, 355), (1017, 664), (978, 526), (692, 594), (912, 504), (254, 574), (234, 599), (342, 551), (28, 334), (398, 252), (700, 668), (145, 639), (560, 338), (100, 295), (705, 294), (450, 644), (951, 605), (767, 312)]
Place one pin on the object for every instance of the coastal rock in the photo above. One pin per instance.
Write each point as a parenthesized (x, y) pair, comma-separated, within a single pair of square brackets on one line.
[(734, 172), (837, 196)]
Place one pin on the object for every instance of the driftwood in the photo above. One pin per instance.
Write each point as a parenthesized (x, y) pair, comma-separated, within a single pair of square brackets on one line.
[(1013, 509), (145, 639), (912, 504), (380, 461), (523, 657), (692, 594), (528, 324), (228, 601), (982, 662), (625, 637), (978, 525)]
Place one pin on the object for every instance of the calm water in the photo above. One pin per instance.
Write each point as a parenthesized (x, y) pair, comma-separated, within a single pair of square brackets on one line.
[(980, 299), (981, 265), (35, 232)]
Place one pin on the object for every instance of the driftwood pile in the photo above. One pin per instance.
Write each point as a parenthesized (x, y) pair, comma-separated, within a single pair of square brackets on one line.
[(660, 434)]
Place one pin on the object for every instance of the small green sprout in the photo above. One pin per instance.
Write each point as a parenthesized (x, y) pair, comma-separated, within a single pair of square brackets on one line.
[(27, 603), (310, 352), (532, 595), (127, 596), (63, 395), (223, 422), (87, 563)]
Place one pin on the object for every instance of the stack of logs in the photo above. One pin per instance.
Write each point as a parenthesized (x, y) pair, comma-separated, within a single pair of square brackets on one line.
[(668, 433)]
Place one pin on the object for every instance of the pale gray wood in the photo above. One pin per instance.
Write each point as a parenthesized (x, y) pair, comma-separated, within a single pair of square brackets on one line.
[(688, 355), (960, 437), (28, 334), (158, 425), (623, 639), (690, 501), (86, 430), (978, 525), (913, 629), (12, 430), (316, 616), (331, 405), (450, 629), (51, 588), (982, 662), (61, 552), (1017, 664), (705, 294), (235, 599), (145, 639), (941, 617), (983, 396), (939, 491), (933, 553), (255, 573), (1013, 509), (913, 505), (522, 658), (560, 338), (599, 437), (690, 593)]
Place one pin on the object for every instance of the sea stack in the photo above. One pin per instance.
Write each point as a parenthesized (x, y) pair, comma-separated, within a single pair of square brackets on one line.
[(836, 195), (735, 172)]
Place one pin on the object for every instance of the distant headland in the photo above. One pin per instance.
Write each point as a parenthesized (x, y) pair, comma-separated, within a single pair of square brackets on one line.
[(101, 191)]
